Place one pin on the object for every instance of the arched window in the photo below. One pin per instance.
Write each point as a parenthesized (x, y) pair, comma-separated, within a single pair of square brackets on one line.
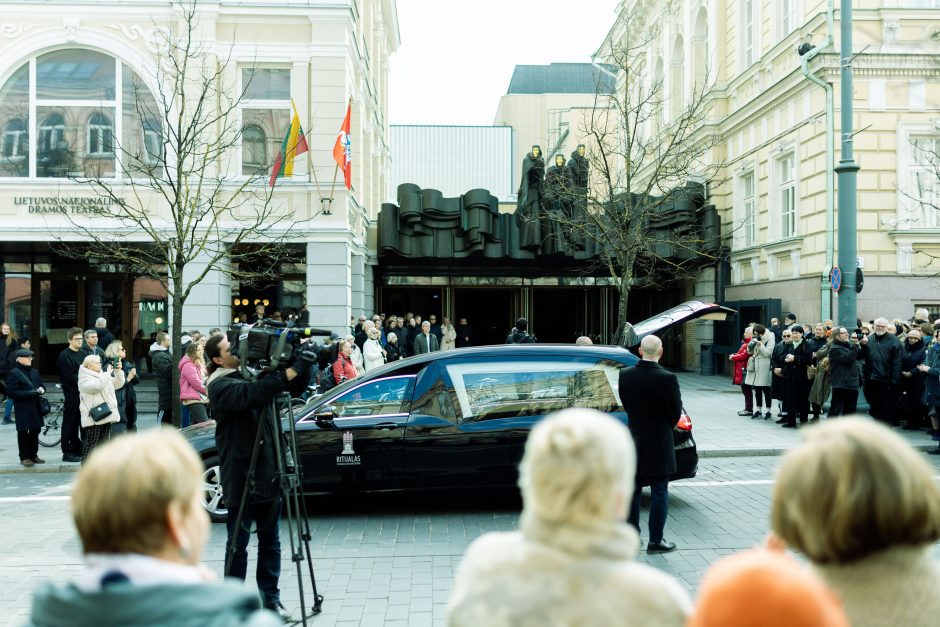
[(51, 133), (100, 140), (15, 139), (656, 89), (677, 77), (253, 149), (700, 51), (72, 110)]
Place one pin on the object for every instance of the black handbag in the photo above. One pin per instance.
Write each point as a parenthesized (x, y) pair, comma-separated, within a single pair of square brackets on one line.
[(99, 412)]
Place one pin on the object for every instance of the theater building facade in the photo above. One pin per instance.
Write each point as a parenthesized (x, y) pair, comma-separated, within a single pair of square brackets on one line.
[(71, 79)]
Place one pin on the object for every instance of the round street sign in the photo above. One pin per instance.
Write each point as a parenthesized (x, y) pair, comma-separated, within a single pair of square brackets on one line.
[(835, 279)]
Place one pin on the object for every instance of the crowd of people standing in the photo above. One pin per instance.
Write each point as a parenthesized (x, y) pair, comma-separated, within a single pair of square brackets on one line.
[(894, 363)]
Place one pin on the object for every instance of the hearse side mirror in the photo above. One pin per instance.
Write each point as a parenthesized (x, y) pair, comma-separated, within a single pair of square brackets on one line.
[(324, 417)]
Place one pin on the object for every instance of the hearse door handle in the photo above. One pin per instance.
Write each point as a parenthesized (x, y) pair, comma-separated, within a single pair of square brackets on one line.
[(386, 426)]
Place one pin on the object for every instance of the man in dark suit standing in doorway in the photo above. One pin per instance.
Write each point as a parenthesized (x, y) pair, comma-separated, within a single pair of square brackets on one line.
[(426, 342), (650, 396)]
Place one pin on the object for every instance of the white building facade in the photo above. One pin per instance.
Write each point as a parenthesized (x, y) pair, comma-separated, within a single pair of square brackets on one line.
[(70, 76)]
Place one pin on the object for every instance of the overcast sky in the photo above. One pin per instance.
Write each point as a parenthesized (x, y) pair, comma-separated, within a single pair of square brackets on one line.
[(457, 56)]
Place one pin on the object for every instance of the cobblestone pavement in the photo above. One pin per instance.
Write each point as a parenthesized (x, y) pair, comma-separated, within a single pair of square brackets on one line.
[(390, 560)]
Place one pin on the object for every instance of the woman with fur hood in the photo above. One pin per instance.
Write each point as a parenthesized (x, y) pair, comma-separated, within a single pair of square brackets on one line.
[(572, 562)]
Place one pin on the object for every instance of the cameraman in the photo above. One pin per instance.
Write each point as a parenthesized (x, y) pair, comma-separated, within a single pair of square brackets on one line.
[(237, 406)]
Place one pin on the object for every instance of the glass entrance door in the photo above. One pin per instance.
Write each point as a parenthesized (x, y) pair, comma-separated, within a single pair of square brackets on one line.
[(61, 302), (57, 312), (104, 298)]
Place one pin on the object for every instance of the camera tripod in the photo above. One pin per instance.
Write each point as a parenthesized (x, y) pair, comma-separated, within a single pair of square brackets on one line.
[(290, 483)]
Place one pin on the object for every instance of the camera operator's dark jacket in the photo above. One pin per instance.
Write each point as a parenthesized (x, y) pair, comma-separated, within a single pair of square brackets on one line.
[(236, 406)]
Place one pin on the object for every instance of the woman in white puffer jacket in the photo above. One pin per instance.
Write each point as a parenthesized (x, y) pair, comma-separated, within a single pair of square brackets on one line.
[(94, 388), (373, 354)]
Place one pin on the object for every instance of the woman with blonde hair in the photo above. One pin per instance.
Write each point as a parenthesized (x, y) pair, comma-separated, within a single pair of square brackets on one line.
[(372, 352), (97, 388), (115, 354), (193, 394), (863, 507), (137, 506), (448, 335), (572, 560), (356, 356)]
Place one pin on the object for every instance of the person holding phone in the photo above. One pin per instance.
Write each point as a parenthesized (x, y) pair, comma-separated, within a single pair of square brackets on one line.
[(98, 387), (115, 357)]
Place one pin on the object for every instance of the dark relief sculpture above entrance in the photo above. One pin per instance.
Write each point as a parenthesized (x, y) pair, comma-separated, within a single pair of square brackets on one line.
[(426, 225)]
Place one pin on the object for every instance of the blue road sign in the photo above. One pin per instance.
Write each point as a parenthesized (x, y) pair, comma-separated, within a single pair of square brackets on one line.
[(835, 279)]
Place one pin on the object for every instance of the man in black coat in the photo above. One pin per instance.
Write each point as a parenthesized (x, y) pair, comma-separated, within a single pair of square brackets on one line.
[(70, 360), (650, 396), (882, 353), (105, 337), (464, 334), (162, 364), (237, 406), (520, 334), (25, 387)]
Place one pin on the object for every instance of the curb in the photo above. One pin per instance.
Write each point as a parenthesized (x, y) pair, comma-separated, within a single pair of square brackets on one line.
[(48, 467), (775, 452)]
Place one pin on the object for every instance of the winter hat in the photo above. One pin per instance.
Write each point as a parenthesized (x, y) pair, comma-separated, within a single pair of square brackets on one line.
[(763, 588)]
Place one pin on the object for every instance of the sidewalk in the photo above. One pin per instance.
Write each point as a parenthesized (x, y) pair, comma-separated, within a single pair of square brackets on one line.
[(712, 403)]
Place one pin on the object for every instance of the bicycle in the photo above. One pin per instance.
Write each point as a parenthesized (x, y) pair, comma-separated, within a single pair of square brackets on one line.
[(51, 433)]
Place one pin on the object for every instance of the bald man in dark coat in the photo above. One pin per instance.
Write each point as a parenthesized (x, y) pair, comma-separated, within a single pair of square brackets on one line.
[(650, 396)]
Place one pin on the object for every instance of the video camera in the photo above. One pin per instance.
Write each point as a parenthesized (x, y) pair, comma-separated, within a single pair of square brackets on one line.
[(269, 345)]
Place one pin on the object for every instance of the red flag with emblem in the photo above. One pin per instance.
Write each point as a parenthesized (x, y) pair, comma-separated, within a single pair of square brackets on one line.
[(342, 150)]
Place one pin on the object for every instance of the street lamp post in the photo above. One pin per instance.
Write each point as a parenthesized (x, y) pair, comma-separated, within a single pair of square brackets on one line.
[(847, 172)]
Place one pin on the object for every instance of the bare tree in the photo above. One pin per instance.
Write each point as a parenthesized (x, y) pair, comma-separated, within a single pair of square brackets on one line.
[(182, 211), (652, 157)]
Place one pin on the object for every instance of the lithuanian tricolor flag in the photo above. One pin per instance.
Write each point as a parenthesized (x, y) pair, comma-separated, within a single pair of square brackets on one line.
[(295, 143)]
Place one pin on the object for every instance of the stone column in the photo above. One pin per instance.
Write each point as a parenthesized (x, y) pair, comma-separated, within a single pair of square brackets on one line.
[(368, 296), (358, 285), (210, 302), (329, 297)]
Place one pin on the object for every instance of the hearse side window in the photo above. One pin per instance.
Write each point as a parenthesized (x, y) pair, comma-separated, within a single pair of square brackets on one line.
[(381, 397), (521, 388), (438, 400)]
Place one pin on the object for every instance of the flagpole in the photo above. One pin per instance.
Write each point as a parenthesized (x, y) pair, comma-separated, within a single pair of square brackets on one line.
[(311, 171)]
